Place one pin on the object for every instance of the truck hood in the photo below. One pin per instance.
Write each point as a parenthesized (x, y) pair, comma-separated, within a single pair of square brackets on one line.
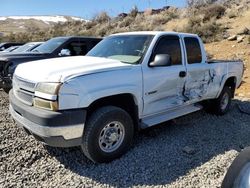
[(21, 57), (62, 69), (24, 54)]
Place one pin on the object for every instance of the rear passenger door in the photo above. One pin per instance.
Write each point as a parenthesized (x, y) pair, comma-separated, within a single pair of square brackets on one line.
[(199, 74), (163, 86)]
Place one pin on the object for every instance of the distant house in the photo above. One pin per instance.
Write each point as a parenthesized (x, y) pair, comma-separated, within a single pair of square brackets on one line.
[(1, 34)]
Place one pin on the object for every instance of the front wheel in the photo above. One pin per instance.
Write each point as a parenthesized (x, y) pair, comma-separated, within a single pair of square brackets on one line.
[(7, 90), (107, 134)]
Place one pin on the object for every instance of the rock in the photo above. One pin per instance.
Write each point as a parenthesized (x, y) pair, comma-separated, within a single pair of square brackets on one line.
[(226, 35), (244, 31), (240, 39), (188, 150), (232, 38)]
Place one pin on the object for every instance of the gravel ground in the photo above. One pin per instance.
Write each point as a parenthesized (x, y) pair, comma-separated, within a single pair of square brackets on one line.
[(192, 151)]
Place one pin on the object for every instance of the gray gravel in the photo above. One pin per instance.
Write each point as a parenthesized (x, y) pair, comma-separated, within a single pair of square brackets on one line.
[(160, 156)]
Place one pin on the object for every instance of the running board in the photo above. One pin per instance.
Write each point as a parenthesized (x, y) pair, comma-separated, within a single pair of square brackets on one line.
[(168, 115)]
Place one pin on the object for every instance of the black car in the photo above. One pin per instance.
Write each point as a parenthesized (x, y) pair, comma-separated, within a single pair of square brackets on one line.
[(56, 47), (5, 45)]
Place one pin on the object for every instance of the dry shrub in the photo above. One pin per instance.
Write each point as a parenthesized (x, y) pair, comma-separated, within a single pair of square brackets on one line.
[(102, 17), (197, 3), (134, 11), (126, 21), (102, 29), (209, 31), (89, 25), (213, 11), (165, 16)]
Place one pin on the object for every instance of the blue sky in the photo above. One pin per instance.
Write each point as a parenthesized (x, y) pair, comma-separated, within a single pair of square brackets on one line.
[(82, 8)]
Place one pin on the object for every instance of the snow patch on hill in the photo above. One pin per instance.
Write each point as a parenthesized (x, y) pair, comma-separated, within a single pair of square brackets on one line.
[(45, 19)]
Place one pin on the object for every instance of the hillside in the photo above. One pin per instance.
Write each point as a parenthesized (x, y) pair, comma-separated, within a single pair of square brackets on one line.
[(19, 24)]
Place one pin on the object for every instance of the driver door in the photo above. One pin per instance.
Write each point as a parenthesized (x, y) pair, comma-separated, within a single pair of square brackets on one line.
[(163, 86)]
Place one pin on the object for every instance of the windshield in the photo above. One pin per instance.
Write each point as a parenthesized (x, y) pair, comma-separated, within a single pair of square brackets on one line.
[(50, 45), (127, 49), (24, 48), (10, 49)]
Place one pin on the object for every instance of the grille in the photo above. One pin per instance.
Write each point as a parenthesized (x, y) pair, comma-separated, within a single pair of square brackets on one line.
[(24, 90), (23, 84), (25, 97)]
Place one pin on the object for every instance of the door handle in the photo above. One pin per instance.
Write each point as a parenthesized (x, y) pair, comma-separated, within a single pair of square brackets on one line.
[(183, 74)]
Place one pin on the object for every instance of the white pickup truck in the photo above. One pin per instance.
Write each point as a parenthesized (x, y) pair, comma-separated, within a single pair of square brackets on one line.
[(128, 82)]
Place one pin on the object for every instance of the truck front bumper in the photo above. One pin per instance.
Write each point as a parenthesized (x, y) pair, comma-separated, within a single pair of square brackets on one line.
[(58, 129)]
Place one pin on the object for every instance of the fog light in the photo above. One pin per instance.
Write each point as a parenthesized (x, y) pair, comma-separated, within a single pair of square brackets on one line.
[(45, 104)]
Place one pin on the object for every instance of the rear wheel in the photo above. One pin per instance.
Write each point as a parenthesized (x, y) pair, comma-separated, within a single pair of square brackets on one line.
[(107, 134), (221, 105)]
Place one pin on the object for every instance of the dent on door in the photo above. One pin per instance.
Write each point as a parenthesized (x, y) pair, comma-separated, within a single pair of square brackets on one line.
[(199, 85)]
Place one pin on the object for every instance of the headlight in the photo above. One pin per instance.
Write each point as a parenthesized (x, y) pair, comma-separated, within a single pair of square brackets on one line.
[(46, 96), (48, 88)]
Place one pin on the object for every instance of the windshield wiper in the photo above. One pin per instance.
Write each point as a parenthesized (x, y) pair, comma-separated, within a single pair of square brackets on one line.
[(35, 51)]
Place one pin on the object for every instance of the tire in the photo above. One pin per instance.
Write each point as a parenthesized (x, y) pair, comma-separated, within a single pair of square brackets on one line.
[(108, 134), (7, 90), (221, 105), (235, 170)]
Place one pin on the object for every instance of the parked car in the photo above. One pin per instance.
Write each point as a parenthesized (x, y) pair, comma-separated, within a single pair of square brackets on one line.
[(56, 47), (28, 47), (6, 45), (128, 82), (10, 49)]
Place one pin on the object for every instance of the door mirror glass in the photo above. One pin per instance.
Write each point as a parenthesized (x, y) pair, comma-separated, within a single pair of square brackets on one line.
[(161, 60), (65, 52)]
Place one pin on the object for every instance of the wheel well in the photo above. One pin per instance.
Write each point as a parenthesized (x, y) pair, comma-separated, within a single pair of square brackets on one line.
[(231, 83), (124, 101)]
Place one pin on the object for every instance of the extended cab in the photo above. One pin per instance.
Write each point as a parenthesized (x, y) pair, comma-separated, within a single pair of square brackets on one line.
[(128, 82), (56, 47)]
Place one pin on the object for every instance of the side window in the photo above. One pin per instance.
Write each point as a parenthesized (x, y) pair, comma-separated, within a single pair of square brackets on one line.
[(77, 48), (170, 45), (82, 48), (193, 50)]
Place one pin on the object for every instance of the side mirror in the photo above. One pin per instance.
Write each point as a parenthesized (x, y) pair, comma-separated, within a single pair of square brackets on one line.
[(161, 60), (65, 52), (3, 48)]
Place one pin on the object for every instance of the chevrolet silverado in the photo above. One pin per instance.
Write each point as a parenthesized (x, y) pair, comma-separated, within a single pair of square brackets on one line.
[(128, 82)]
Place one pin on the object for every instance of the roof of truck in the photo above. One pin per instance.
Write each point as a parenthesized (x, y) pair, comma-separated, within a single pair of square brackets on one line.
[(79, 37), (155, 33)]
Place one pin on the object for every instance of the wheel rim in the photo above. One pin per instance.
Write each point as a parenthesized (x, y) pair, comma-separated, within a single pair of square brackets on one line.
[(111, 136), (224, 101)]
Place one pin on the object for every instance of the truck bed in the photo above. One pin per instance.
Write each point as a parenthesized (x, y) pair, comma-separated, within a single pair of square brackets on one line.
[(212, 61)]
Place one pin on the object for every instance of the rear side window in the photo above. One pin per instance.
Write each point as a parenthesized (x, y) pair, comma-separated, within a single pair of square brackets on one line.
[(193, 50), (170, 45)]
